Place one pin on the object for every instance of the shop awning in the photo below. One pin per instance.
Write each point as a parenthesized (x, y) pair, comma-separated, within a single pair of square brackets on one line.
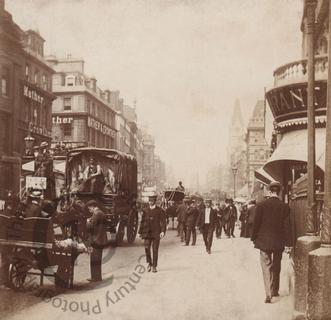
[(263, 176), (293, 149), (58, 166)]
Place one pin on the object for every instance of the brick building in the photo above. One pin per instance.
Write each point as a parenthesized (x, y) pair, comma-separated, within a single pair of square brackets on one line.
[(25, 96), (82, 113)]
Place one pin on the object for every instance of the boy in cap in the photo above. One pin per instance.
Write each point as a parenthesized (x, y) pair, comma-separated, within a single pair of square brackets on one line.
[(152, 229), (97, 228)]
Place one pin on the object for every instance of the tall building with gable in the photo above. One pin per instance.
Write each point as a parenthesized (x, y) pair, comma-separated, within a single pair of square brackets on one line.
[(258, 150)]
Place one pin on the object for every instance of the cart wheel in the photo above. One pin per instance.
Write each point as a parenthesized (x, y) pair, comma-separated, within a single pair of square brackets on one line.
[(17, 275), (120, 233), (132, 227)]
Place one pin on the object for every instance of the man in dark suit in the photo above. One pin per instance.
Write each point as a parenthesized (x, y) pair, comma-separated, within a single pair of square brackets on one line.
[(271, 233), (97, 228), (251, 216), (207, 222), (152, 229), (191, 222), (232, 217), (181, 217)]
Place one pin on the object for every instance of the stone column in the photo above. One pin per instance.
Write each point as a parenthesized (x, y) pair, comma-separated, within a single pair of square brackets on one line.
[(319, 268), (310, 241)]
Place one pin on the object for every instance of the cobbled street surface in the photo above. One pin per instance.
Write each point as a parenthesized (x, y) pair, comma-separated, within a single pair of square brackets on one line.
[(190, 284)]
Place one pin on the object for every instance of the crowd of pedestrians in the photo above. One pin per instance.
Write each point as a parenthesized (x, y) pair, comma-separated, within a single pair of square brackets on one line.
[(266, 224)]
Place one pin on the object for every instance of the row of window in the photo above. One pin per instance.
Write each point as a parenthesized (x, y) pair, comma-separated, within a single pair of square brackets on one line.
[(93, 109), (37, 114), (96, 138), (37, 77)]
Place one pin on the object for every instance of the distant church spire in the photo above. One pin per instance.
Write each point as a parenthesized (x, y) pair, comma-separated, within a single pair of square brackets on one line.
[(237, 118)]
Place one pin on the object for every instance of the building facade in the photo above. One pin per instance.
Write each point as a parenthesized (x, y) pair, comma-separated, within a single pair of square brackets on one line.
[(82, 114), (148, 168), (258, 150), (25, 96)]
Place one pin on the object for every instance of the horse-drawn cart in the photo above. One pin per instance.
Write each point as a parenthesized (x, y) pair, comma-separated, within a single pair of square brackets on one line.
[(30, 247)]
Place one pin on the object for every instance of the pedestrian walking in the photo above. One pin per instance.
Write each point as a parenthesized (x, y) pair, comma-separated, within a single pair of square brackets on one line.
[(181, 217), (251, 215), (271, 234), (97, 228), (220, 226), (231, 217), (243, 218), (207, 222), (152, 229), (191, 223)]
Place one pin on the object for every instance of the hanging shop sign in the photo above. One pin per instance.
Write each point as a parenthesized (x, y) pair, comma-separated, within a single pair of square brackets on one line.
[(32, 94), (97, 125), (290, 102)]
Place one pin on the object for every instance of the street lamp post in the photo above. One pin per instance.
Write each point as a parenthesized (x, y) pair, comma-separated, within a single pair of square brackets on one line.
[(319, 273), (29, 142), (311, 240), (234, 171)]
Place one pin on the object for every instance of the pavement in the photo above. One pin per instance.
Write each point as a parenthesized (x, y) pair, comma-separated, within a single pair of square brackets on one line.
[(189, 284)]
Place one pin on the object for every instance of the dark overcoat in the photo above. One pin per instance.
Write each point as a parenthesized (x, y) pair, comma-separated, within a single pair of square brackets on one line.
[(153, 222), (97, 228), (271, 226), (33, 210), (212, 218), (192, 217)]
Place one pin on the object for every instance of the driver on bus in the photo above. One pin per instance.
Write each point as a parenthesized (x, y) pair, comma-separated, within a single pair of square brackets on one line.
[(92, 175)]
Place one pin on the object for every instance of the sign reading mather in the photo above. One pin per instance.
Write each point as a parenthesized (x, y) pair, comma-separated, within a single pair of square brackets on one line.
[(95, 124), (32, 94), (290, 102)]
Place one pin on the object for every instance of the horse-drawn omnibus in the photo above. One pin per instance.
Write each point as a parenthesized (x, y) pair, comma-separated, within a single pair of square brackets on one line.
[(109, 177)]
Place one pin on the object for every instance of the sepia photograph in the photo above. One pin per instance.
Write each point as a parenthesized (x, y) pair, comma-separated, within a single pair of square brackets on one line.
[(165, 159)]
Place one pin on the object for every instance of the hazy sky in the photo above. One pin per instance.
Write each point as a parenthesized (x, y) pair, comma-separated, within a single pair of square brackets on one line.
[(184, 61)]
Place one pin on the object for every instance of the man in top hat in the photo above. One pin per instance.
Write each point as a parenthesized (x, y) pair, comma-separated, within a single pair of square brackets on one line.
[(271, 233), (232, 216), (152, 229), (34, 207), (207, 221), (191, 223)]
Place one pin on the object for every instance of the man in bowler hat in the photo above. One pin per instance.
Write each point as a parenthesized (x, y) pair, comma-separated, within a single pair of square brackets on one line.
[(152, 229), (207, 221), (271, 234), (191, 221)]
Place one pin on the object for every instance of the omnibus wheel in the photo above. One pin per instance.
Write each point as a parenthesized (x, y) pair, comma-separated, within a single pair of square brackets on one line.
[(17, 275), (120, 233), (132, 227)]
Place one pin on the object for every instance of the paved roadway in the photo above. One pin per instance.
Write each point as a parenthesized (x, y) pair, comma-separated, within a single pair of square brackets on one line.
[(190, 284)]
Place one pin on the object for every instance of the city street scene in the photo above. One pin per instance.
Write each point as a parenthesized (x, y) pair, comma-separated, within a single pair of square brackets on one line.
[(165, 159)]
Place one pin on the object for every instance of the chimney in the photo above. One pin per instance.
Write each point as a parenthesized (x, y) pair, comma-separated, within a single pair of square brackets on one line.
[(107, 95), (93, 84)]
